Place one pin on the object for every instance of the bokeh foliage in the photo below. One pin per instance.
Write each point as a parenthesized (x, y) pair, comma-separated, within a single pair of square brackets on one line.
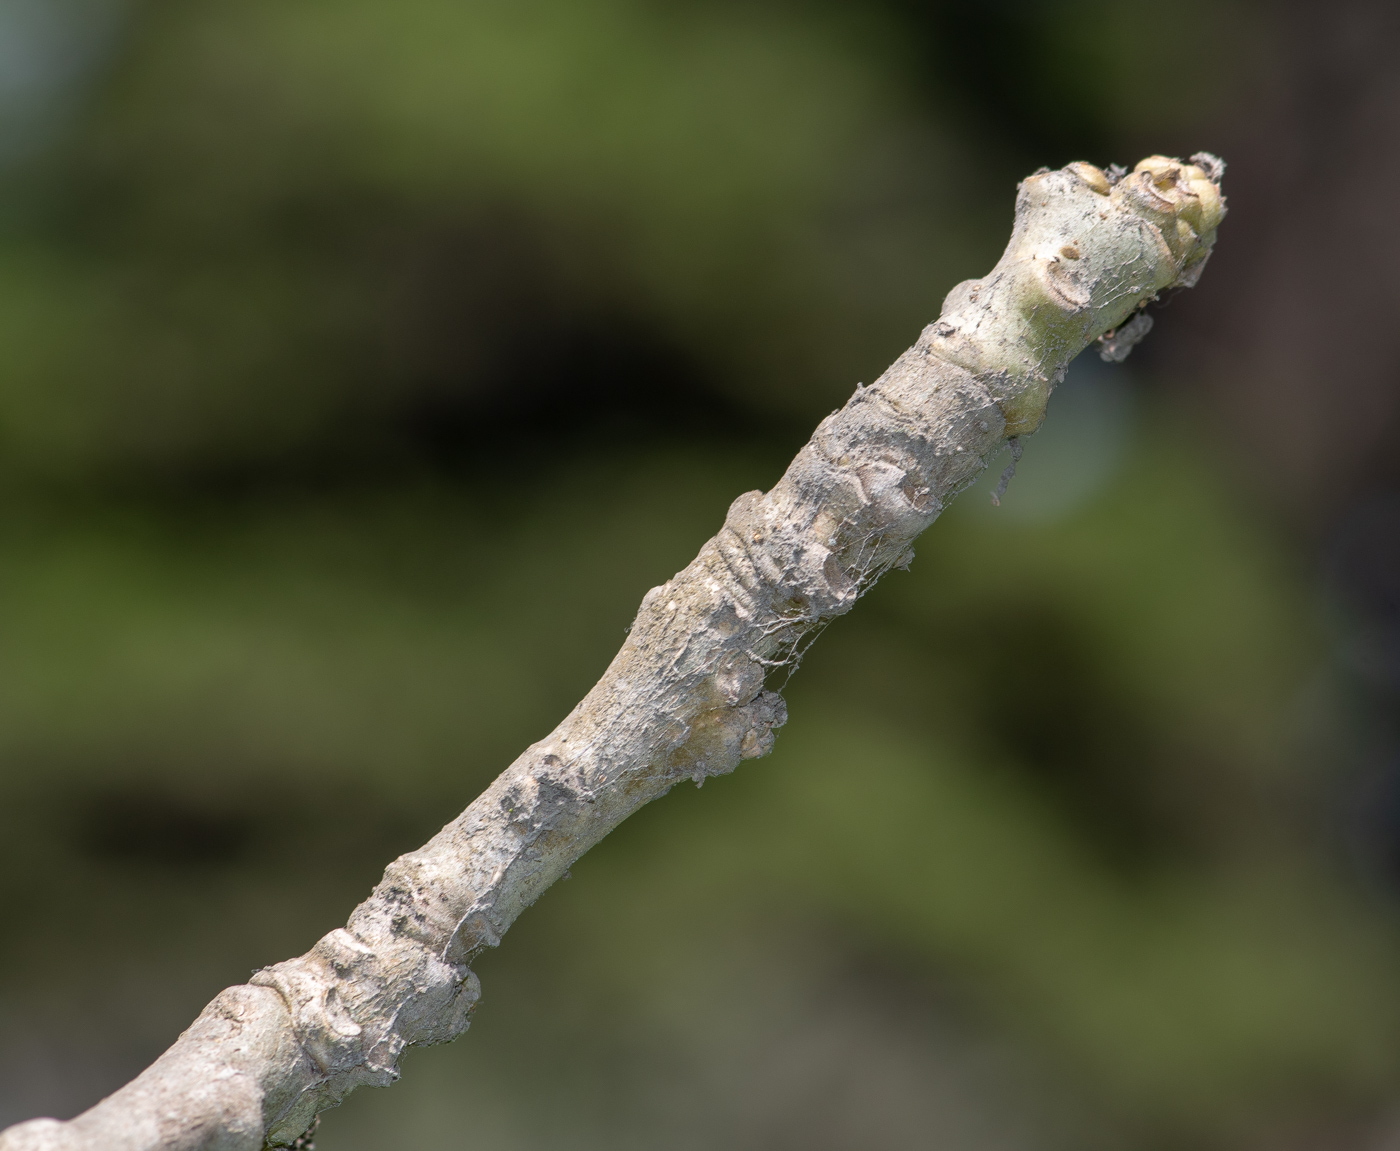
[(363, 364)]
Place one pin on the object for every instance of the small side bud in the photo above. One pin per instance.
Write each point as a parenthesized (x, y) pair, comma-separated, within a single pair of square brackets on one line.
[(1096, 178)]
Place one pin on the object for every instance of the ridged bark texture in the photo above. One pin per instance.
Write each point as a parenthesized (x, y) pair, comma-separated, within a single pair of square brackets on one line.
[(685, 698)]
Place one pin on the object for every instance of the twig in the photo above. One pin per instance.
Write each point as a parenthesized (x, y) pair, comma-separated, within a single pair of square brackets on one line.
[(684, 698)]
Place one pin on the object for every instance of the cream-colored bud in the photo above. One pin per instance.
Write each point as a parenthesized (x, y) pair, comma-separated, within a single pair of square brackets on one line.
[(1208, 192), (1162, 169), (1096, 178)]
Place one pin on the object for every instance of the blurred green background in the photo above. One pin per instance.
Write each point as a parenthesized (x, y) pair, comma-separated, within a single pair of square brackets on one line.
[(362, 365)]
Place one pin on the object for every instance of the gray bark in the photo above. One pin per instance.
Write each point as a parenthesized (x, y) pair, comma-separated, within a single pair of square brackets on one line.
[(685, 697)]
